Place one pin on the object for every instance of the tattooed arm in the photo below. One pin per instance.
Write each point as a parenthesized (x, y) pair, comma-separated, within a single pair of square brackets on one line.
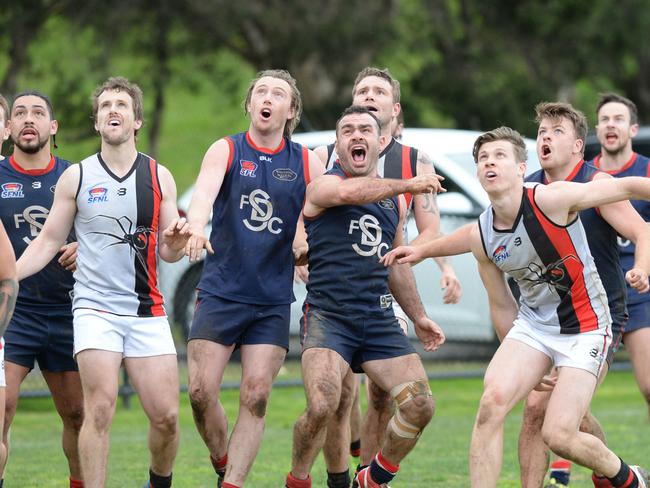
[(427, 219), (8, 283)]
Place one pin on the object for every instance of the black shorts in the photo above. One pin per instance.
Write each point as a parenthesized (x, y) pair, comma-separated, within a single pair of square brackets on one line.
[(41, 334), (226, 322), (356, 339)]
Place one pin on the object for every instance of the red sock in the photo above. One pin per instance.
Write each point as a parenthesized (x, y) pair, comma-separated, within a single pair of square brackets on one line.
[(219, 464), (76, 483), (561, 464), (386, 464), (229, 485), (601, 481), (293, 482)]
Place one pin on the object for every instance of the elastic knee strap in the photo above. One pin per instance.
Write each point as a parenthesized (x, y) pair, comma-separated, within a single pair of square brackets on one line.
[(406, 392), (402, 428)]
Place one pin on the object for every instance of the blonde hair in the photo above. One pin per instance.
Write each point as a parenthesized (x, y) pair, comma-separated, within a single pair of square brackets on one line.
[(296, 100)]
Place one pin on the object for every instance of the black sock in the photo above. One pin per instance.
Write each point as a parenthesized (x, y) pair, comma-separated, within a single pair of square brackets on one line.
[(623, 476), (158, 481), (360, 467), (2, 482), (355, 448), (379, 474), (338, 480)]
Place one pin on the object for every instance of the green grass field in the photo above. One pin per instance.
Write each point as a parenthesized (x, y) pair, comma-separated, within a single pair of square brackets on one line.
[(440, 459)]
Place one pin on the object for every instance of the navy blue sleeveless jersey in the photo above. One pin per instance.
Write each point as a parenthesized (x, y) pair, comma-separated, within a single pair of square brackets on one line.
[(26, 199), (254, 221), (601, 238), (637, 166), (345, 244)]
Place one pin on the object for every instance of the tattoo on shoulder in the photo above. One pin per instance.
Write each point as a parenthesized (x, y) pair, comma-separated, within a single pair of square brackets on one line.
[(423, 158), (8, 294)]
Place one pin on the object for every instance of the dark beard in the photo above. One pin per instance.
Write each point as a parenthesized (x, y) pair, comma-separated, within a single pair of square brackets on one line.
[(32, 149)]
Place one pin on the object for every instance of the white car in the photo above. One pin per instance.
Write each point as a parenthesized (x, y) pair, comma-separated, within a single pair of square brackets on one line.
[(450, 150)]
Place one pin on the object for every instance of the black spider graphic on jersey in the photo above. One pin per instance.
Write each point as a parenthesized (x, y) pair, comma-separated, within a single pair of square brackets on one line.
[(135, 239), (553, 276)]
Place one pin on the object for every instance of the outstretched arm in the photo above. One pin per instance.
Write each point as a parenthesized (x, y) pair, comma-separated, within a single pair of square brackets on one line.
[(207, 187), (565, 198), (173, 231), (628, 223), (57, 226), (403, 287), (458, 242), (331, 191), (8, 282)]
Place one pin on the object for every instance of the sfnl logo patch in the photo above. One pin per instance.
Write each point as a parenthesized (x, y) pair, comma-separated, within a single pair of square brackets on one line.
[(12, 190), (500, 254), (97, 195), (248, 168)]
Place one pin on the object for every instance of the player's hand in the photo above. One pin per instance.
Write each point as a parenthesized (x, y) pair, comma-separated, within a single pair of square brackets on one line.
[(301, 274), (68, 257), (638, 279), (450, 286), (426, 183), (402, 255), (196, 244), (547, 383), (176, 234), (300, 255), (429, 333)]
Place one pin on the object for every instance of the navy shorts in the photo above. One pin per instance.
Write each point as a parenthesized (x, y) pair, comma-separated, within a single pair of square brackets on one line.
[(226, 322), (41, 334), (639, 316), (356, 339)]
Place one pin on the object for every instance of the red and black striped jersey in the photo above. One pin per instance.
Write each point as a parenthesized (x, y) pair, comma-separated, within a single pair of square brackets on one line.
[(117, 230), (560, 287)]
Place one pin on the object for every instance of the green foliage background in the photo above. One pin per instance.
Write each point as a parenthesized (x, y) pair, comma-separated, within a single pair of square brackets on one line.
[(462, 63)]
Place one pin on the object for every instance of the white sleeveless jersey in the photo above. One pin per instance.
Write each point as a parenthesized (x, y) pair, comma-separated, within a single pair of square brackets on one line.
[(117, 230), (560, 286)]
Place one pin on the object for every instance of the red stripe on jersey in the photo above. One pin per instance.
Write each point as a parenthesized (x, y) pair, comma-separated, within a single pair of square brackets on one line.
[(575, 170), (305, 164), (157, 308), (561, 241), (33, 172), (231, 154), (407, 171), (625, 167), (266, 150)]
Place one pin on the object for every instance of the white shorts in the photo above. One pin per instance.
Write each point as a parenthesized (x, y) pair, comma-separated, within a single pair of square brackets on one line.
[(401, 317), (134, 337), (587, 350), (3, 381)]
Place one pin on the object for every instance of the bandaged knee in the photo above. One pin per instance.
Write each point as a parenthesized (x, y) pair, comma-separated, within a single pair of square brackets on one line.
[(406, 392), (403, 428)]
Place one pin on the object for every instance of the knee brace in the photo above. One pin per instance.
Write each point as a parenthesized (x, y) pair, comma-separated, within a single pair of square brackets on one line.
[(403, 394), (402, 428), (406, 392)]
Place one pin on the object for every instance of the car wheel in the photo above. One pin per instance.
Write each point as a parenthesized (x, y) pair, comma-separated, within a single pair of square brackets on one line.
[(185, 298)]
